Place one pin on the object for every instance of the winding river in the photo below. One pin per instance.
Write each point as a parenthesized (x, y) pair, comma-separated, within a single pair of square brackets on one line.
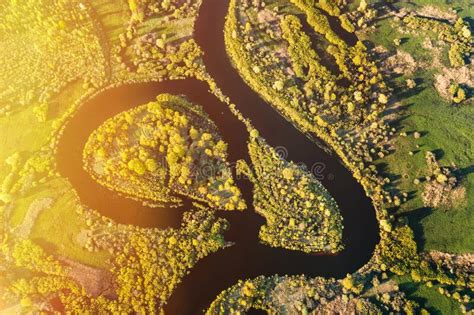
[(247, 258)]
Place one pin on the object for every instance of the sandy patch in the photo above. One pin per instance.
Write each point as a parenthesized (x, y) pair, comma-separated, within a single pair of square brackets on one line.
[(435, 52), (430, 11), (34, 210), (266, 16), (463, 76), (345, 306), (385, 287), (465, 262), (401, 63), (97, 282)]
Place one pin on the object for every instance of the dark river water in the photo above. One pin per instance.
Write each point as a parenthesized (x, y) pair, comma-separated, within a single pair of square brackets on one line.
[(247, 258)]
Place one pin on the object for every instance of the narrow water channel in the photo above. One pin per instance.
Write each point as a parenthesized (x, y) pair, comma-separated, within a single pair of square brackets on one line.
[(247, 258)]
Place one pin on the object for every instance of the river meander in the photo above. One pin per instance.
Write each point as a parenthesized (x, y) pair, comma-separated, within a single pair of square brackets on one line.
[(247, 258)]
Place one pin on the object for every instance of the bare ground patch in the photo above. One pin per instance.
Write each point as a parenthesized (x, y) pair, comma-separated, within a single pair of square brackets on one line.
[(97, 282), (34, 210), (464, 262), (463, 76), (401, 63), (431, 11), (266, 16)]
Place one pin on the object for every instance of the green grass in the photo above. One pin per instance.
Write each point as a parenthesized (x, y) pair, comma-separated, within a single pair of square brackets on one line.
[(447, 131), (56, 228), (387, 30), (385, 34), (428, 298), (21, 132), (113, 17), (464, 8), (27, 135)]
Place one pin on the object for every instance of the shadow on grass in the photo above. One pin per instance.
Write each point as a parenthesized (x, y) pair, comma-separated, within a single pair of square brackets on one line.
[(383, 169), (254, 311), (392, 186), (470, 21), (410, 289), (439, 154), (396, 122), (411, 194), (464, 171), (414, 219), (402, 93), (46, 245)]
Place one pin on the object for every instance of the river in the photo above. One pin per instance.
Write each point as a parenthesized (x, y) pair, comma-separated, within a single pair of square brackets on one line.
[(247, 258)]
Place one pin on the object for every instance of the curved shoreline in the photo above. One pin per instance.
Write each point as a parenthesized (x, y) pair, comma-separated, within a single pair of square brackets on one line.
[(247, 258), (360, 238)]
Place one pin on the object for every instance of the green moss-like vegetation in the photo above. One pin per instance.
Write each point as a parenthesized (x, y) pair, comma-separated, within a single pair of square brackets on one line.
[(161, 150), (300, 213)]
